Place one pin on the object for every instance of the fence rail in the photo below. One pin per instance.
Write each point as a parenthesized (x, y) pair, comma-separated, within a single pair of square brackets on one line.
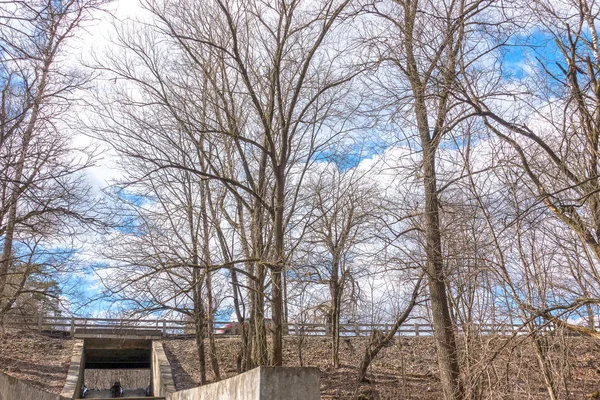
[(170, 327)]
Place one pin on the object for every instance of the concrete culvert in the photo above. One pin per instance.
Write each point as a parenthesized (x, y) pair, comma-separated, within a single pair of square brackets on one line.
[(107, 383)]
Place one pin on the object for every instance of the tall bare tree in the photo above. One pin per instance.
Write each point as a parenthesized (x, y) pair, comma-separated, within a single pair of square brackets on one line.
[(41, 188), (419, 48), (345, 209)]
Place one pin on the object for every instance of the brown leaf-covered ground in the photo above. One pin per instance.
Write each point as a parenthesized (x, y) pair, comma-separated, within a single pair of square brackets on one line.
[(408, 368), (38, 359)]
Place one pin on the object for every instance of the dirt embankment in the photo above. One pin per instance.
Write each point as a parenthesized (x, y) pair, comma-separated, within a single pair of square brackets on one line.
[(496, 367), (40, 360)]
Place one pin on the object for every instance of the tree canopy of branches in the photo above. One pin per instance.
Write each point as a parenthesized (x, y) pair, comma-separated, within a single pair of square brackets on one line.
[(313, 161)]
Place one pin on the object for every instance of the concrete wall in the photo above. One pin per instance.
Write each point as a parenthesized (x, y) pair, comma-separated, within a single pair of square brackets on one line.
[(129, 378), (262, 383), (72, 388), (13, 389), (289, 383), (243, 386), (162, 378)]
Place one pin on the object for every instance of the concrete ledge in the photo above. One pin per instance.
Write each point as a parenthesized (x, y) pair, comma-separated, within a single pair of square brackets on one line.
[(117, 333), (262, 383), (13, 389), (72, 388), (162, 377)]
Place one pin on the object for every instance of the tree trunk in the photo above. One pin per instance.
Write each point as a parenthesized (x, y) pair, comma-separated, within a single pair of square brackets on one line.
[(214, 361), (18, 187), (429, 137), (200, 321), (277, 269), (442, 322), (591, 319), (257, 290), (540, 352), (204, 190), (334, 288), (246, 352)]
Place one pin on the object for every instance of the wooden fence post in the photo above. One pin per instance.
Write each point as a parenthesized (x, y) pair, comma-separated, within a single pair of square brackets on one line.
[(416, 329), (40, 318), (72, 326), (164, 327), (356, 330)]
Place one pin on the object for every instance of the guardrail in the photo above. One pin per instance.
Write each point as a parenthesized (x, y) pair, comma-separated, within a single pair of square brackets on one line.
[(170, 327)]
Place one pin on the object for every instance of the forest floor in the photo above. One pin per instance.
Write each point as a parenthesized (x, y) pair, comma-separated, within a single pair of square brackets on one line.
[(506, 369), (39, 360)]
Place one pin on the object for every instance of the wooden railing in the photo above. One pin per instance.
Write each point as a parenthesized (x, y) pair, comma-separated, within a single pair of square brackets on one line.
[(169, 327)]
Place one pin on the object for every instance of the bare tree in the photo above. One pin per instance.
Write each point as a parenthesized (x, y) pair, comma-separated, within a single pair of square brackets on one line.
[(344, 208), (419, 47), (239, 55), (41, 185)]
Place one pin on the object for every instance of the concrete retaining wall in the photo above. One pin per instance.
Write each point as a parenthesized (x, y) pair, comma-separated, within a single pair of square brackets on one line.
[(262, 383), (162, 378), (243, 386), (72, 388), (13, 389)]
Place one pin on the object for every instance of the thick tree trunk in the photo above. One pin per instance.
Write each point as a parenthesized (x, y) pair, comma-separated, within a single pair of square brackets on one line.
[(214, 361), (18, 184), (200, 321), (277, 269), (442, 322), (259, 347), (246, 361), (257, 288), (204, 190)]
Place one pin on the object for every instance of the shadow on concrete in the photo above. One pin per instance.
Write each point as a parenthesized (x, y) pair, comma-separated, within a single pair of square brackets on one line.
[(105, 394), (184, 380)]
